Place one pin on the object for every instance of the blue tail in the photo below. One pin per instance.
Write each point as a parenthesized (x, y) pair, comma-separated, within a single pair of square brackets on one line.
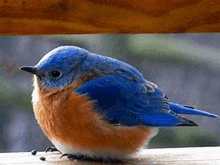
[(180, 109)]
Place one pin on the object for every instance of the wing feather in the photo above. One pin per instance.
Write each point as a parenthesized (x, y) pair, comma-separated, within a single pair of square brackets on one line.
[(126, 102)]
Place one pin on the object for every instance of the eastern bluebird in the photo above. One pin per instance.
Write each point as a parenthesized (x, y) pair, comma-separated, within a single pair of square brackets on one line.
[(99, 107)]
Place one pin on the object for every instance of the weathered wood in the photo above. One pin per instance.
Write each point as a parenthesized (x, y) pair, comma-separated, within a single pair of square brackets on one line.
[(109, 16), (174, 156)]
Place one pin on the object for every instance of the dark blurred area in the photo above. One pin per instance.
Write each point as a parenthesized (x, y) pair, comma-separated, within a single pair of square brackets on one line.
[(186, 67)]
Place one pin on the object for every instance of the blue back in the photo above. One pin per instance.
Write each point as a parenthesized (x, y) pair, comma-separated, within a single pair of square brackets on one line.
[(126, 102)]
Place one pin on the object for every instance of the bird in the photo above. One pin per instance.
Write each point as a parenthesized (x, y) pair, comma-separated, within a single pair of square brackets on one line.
[(98, 107)]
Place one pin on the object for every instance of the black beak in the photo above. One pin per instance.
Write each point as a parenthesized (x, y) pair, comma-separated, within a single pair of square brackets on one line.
[(30, 69)]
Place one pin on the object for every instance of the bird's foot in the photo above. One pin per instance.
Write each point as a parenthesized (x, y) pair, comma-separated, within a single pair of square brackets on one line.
[(51, 149), (83, 157), (71, 156)]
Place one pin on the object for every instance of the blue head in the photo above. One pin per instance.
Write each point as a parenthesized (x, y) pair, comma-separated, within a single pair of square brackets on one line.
[(59, 67)]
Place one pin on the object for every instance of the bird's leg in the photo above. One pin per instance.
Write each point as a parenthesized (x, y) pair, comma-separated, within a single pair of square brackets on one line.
[(51, 149)]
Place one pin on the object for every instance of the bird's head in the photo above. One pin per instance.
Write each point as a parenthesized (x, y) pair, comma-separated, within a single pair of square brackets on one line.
[(59, 67)]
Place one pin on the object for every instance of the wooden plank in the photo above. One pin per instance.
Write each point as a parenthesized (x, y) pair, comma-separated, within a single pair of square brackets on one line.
[(170, 156), (109, 16)]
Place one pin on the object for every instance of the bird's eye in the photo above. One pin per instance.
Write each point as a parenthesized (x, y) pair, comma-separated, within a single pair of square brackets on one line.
[(55, 73)]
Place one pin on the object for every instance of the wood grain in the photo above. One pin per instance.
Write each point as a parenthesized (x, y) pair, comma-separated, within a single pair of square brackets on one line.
[(169, 156), (108, 16)]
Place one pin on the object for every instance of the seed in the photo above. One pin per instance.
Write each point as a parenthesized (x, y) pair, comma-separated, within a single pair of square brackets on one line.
[(33, 152)]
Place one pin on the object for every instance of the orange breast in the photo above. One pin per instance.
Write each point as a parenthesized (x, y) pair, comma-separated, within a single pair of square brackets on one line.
[(71, 119)]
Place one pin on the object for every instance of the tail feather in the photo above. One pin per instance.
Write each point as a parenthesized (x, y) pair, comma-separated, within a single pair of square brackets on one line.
[(179, 109), (187, 123)]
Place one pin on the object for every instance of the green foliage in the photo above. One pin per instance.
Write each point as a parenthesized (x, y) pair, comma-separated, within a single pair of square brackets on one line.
[(12, 95), (183, 137)]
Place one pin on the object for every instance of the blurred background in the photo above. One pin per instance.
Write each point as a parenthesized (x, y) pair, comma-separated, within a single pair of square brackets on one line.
[(186, 67)]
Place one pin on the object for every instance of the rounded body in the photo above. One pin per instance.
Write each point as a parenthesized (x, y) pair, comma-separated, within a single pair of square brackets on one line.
[(73, 126)]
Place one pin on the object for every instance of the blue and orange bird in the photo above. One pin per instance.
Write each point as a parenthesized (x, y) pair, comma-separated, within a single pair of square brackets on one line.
[(99, 107)]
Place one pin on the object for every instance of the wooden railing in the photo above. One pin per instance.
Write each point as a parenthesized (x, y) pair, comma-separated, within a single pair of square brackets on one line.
[(28, 17), (169, 156)]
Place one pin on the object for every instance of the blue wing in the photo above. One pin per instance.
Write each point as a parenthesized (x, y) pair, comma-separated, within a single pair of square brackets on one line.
[(126, 102)]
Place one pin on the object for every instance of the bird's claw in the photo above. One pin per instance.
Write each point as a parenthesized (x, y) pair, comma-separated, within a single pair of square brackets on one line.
[(71, 156), (51, 149)]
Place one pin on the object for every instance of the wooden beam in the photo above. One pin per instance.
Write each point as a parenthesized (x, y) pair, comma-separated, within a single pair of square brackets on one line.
[(171, 156), (28, 17)]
